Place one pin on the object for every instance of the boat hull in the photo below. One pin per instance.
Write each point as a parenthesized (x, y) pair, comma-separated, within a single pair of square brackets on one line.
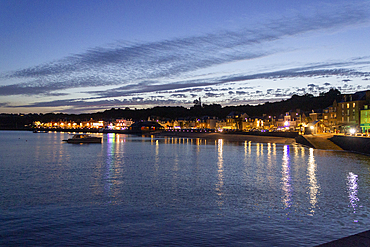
[(94, 140), (83, 138)]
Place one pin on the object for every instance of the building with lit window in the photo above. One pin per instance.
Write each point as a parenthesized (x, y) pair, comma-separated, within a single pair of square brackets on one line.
[(329, 116), (365, 119), (348, 110)]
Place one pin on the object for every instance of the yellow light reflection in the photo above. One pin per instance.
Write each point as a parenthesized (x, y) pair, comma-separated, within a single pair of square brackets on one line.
[(296, 151), (286, 178), (314, 187), (220, 170), (245, 150), (261, 149)]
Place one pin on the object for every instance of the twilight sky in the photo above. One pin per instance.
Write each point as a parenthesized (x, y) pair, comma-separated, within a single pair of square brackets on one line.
[(84, 56)]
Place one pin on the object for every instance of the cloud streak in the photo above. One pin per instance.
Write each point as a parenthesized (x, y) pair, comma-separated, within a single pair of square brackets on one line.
[(174, 71), (138, 67)]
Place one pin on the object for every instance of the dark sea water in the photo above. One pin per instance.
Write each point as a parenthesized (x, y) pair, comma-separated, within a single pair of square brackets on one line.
[(140, 191)]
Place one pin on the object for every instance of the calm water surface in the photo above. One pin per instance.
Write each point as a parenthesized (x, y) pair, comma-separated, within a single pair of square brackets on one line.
[(136, 191)]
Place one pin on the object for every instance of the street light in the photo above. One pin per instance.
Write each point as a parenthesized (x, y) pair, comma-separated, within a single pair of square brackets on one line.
[(352, 131), (312, 128)]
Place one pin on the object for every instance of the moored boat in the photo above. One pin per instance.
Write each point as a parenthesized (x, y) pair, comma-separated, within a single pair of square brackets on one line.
[(83, 138)]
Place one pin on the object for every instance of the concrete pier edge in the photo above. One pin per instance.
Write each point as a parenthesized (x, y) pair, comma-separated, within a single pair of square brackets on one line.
[(357, 240), (354, 144)]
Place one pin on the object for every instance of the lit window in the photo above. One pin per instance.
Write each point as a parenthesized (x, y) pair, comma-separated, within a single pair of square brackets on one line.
[(348, 105), (354, 105)]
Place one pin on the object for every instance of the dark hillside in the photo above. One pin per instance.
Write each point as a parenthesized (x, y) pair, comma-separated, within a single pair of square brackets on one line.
[(305, 103)]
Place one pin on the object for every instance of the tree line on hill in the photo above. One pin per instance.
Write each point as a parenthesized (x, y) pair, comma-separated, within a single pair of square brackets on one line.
[(305, 103)]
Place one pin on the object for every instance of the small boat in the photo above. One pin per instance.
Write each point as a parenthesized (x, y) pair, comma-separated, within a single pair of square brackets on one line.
[(83, 138), (40, 131)]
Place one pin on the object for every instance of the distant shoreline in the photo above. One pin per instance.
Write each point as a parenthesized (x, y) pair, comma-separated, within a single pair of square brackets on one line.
[(232, 137)]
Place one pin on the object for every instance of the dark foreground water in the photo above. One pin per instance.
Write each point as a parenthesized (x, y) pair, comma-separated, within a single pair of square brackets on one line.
[(134, 191)]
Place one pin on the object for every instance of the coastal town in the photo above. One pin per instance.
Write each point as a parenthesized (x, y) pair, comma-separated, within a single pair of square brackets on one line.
[(350, 115)]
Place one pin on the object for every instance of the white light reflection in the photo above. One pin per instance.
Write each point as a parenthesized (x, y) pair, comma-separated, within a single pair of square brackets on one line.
[(287, 187), (352, 187), (314, 187), (246, 152), (220, 171), (110, 163)]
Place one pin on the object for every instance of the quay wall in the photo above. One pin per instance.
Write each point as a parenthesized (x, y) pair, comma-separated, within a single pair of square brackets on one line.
[(301, 140), (352, 143), (232, 132), (275, 134)]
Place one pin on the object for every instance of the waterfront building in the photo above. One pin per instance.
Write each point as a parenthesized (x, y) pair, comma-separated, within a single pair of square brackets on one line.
[(211, 122), (330, 116), (315, 116), (221, 124), (348, 110), (365, 119), (234, 120), (269, 122), (120, 124), (289, 121), (145, 126)]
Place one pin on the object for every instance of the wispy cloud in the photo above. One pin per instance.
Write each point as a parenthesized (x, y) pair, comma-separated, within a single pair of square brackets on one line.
[(141, 67), (291, 73), (159, 73)]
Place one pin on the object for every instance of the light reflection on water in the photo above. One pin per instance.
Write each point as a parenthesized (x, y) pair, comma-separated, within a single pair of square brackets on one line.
[(352, 183), (314, 186), (159, 188), (287, 187), (220, 171)]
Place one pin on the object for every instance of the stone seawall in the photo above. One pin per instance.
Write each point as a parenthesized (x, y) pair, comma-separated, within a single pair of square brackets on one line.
[(352, 143), (304, 141), (276, 134)]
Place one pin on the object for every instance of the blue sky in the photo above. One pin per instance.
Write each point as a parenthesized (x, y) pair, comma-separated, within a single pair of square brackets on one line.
[(85, 56)]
